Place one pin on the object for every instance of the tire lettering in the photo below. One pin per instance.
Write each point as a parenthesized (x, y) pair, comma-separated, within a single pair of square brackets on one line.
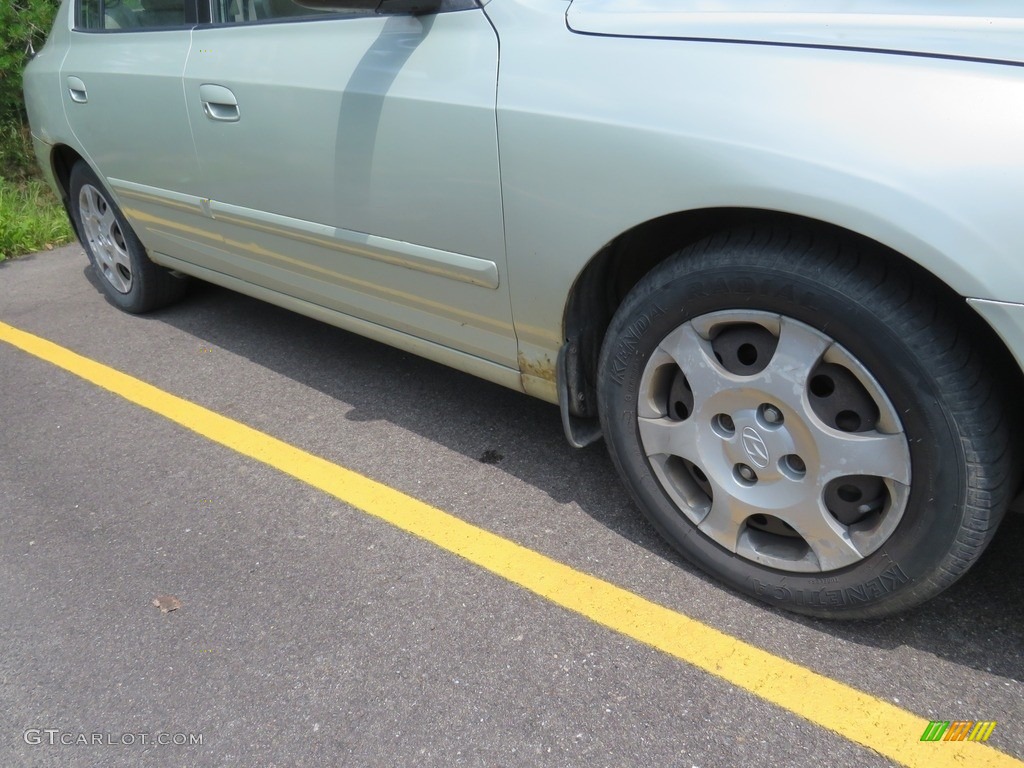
[(629, 343), (618, 368), (766, 287), (884, 583)]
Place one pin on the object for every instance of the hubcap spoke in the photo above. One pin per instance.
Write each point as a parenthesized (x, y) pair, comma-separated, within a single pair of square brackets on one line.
[(107, 222), (724, 520), (85, 205), (119, 255), (90, 216), (871, 453), (828, 539), (695, 358), (798, 352), (663, 436)]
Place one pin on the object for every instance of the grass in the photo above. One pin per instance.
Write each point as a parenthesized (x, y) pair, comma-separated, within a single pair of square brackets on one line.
[(31, 217)]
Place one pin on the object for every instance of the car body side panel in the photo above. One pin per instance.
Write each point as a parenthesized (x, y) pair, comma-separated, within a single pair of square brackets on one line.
[(133, 125), (883, 145), (1007, 319), (361, 173), (986, 29), (471, 364)]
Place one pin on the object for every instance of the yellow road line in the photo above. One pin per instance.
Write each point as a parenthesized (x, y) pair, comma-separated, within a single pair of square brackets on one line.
[(857, 716)]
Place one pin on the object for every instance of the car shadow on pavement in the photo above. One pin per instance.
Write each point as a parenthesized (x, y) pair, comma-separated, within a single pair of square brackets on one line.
[(981, 613), (495, 425)]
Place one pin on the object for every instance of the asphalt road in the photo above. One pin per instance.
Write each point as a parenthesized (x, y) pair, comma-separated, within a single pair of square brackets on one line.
[(312, 634)]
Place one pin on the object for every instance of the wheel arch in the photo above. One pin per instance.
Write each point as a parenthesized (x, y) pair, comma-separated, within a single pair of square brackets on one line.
[(607, 277)]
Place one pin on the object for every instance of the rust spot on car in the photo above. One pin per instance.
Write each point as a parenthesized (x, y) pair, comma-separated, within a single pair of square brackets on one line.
[(543, 368)]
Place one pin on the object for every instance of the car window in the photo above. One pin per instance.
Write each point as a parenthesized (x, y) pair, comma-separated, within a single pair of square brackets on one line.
[(130, 14), (247, 11)]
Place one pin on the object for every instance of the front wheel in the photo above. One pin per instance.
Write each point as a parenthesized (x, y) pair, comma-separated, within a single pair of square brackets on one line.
[(128, 278), (808, 423)]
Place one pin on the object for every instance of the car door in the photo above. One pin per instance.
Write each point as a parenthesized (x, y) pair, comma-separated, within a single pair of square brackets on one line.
[(352, 163), (122, 95)]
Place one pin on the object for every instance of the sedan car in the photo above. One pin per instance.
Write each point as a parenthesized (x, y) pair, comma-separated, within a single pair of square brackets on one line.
[(770, 252)]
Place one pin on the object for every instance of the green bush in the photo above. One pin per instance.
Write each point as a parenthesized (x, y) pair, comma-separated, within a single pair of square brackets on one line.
[(17, 161)]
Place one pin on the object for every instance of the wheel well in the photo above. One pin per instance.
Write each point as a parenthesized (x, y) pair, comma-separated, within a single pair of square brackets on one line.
[(622, 263), (62, 160)]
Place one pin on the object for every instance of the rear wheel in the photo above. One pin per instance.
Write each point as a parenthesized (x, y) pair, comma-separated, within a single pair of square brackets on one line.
[(127, 276), (805, 422)]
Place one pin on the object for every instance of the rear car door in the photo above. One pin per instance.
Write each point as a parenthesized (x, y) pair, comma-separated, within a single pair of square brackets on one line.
[(352, 162), (122, 95)]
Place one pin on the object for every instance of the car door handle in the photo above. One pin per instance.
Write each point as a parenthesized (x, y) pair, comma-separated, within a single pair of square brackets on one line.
[(76, 90), (219, 103)]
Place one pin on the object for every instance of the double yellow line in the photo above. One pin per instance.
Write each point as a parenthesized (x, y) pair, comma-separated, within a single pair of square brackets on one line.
[(857, 716)]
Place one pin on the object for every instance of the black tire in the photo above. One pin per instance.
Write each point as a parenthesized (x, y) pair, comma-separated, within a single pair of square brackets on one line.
[(129, 280), (904, 343)]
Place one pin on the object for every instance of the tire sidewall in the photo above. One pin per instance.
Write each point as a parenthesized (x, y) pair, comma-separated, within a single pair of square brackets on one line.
[(934, 512)]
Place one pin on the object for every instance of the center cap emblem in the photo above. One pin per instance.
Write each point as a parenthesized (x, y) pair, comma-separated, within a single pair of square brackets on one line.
[(755, 448)]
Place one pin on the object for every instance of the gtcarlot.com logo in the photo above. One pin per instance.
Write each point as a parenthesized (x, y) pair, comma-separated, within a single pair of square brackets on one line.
[(958, 730), (56, 737)]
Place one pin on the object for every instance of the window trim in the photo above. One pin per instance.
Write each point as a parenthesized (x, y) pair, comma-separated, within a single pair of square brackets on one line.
[(191, 8)]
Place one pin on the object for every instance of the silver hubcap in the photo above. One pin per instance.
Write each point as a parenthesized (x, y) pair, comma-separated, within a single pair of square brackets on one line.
[(106, 241), (774, 441)]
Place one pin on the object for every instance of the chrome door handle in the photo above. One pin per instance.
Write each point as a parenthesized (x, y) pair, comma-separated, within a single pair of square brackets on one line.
[(219, 103), (76, 90)]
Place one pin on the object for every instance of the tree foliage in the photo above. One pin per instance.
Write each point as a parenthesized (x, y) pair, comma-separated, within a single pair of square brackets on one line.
[(30, 217), (21, 21)]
